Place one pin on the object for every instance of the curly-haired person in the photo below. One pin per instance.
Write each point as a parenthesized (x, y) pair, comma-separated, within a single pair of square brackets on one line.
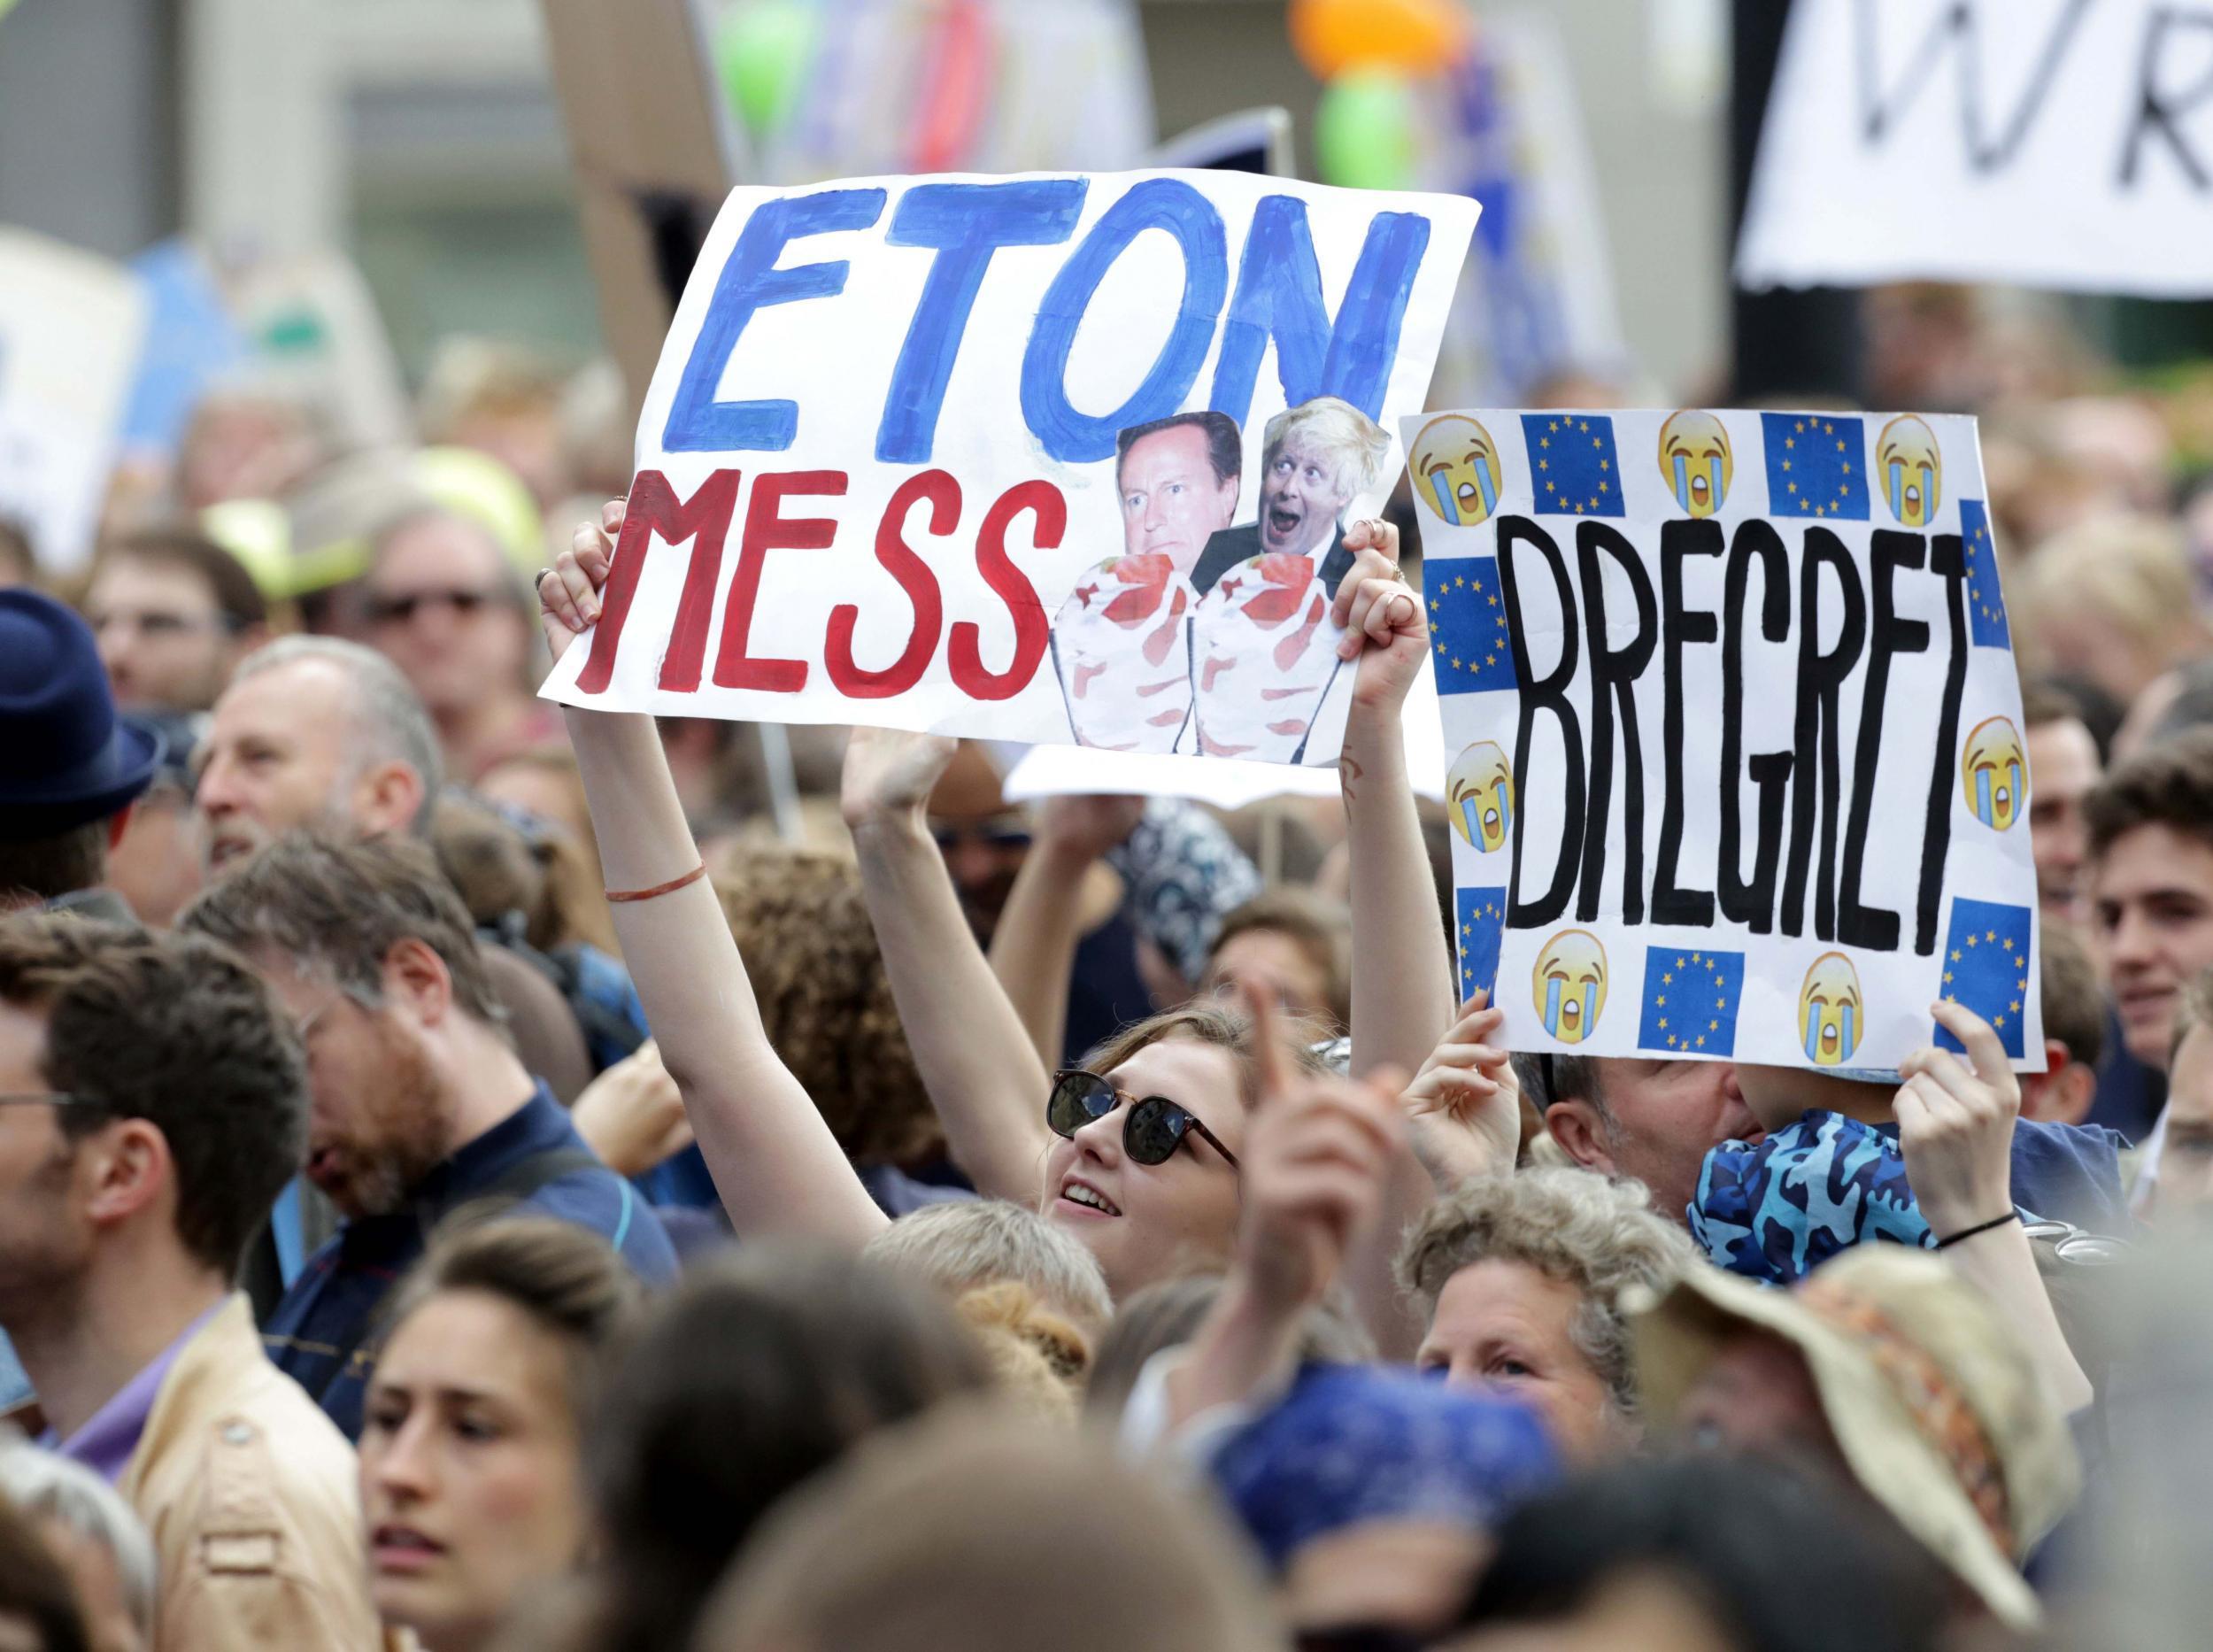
[(826, 1005), (1521, 1280)]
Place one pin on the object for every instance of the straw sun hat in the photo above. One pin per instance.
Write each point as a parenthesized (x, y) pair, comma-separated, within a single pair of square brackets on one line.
[(1939, 1411)]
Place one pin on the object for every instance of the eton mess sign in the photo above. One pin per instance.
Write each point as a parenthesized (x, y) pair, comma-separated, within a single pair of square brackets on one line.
[(1046, 458), (1733, 732)]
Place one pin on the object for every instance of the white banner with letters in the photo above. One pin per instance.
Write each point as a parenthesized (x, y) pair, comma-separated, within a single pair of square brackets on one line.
[(1733, 732), (1049, 459), (2061, 143)]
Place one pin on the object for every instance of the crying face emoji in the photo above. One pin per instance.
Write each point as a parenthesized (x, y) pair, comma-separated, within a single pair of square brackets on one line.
[(1480, 793), (1695, 461), (1829, 1012), (1455, 469), (1994, 774), (1571, 984), (1909, 470)]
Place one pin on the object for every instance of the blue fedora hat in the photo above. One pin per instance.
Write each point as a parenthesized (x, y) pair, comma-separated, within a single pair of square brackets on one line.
[(66, 757)]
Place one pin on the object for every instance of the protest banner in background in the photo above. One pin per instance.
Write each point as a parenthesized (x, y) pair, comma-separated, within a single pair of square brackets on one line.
[(71, 326), (1537, 299), (1733, 750), (1046, 458), (2048, 143)]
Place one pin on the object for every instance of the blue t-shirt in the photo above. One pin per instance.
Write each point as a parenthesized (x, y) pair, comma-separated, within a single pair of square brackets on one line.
[(318, 1334)]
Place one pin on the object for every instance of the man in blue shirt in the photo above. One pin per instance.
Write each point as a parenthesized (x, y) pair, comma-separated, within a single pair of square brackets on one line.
[(420, 1104)]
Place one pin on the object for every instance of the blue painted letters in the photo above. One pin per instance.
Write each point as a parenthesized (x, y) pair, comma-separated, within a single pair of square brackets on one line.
[(1279, 297), (967, 223), (698, 423), (1169, 203)]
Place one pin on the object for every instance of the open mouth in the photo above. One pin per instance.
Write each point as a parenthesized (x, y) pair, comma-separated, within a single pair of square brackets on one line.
[(1282, 523), (1698, 488), (1083, 1196), (1828, 1036), (1571, 1011), (1490, 821), (1468, 495), (402, 1548), (222, 851)]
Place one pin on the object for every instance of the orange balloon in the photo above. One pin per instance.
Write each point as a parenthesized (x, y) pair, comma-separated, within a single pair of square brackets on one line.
[(1418, 36)]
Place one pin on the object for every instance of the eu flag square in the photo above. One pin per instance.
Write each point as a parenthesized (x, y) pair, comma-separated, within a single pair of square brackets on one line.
[(1482, 929), (1817, 466), (1468, 631), (1572, 469), (1690, 1001), (1986, 601), (1986, 969)]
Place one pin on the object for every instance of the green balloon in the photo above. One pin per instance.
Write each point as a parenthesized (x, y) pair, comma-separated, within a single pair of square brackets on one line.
[(761, 51), (1363, 130)]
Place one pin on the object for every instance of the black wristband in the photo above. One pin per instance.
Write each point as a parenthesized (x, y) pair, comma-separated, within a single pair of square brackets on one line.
[(1984, 1227)]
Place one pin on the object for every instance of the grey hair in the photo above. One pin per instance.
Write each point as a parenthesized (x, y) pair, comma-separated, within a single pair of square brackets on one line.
[(1362, 445), (389, 721), (42, 1483), (1584, 1229), (961, 1245)]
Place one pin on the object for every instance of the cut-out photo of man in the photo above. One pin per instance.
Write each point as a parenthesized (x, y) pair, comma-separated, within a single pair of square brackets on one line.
[(1318, 456), (1178, 480), (1121, 642)]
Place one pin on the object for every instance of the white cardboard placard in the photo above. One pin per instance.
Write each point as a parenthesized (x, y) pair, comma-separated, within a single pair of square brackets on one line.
[(1732, 731), (881, 476)]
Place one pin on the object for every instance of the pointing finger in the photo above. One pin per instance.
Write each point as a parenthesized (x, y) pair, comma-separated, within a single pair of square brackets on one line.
[(1269, 1056), (1983, 1047)]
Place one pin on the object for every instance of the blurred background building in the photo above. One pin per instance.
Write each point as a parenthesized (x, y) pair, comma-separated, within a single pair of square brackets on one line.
[(425, 137)]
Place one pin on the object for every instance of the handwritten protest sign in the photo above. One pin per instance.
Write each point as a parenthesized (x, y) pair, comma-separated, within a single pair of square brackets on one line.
[(1046, 458), (2050, 142), (1734, 748)]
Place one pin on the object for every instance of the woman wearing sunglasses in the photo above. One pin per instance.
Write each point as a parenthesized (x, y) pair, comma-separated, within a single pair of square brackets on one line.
[(1136, 1154)]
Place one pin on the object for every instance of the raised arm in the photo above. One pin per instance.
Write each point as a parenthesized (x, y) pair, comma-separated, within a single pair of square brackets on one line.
[(1402, 977), (975, 1055), (1052, 906), (775, 1162), (1956, 1127)]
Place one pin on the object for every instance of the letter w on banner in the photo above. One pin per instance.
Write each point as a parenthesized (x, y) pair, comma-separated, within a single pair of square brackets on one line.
[(2048, 143), (1733, 732), (1053, 459)]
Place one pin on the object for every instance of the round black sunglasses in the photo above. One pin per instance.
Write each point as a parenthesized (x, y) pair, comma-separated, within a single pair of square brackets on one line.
[(1156, 1128)]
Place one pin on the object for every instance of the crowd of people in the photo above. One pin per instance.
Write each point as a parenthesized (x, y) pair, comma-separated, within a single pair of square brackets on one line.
[(474, 1173)]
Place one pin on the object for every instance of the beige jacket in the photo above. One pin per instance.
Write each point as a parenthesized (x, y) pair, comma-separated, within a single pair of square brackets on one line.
[(252, 1495)]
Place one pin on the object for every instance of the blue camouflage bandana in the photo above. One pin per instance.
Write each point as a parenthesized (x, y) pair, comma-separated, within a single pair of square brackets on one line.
[(1815, 1188)]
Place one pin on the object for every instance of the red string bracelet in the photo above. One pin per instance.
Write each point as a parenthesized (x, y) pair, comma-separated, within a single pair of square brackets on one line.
[(673, 885)]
